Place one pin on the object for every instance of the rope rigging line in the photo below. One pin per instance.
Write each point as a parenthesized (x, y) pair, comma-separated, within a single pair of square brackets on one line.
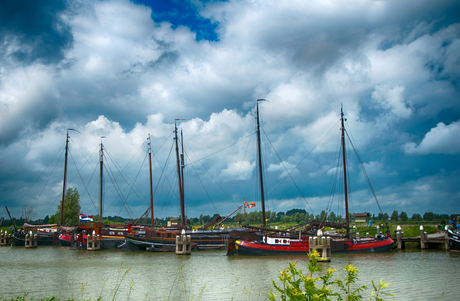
[(133, 184), (361, 164), (288, 173), (20, 200), (46, 183), (307, 154), (207, 171), (223, 148), (336, 178), (167, 180), (158, 185), (115, 183), (84, 185), (241, 165), (196, 173)]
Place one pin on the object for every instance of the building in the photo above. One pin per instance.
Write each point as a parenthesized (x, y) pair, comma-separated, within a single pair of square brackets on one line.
[(362, 217), (173, 222)]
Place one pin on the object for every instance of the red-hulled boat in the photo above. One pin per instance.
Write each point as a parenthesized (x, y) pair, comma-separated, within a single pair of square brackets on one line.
[(270, 244)]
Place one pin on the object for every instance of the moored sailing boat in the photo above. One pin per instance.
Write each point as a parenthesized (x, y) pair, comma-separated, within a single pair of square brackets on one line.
[(111, 236), (269, 244), (48, 234), (164, 239)]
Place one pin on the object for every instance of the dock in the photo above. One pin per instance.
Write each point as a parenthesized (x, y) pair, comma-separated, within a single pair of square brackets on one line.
[(427, 241)]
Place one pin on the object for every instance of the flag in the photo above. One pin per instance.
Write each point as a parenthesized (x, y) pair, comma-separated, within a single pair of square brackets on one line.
[(85, 218), (249, 204)]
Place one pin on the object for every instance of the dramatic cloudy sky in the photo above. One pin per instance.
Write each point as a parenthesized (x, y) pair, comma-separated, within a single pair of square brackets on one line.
[(123, 69)]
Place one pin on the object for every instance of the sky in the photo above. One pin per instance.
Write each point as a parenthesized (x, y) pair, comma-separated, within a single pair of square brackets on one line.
[(124, 70)]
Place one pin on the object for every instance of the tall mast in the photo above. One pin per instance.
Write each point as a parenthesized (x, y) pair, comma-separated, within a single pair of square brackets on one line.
[(260, 164), (151, 186), (181, 192), (65, 179), (182, 162), (344, 173), (102, 182), (65, 176)]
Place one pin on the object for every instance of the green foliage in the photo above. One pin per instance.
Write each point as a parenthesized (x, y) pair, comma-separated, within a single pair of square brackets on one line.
[(403, 216), (71, 208), (297, 286), (416, 217), (52, 219), (428, 216), (294, 211), (394, 215)]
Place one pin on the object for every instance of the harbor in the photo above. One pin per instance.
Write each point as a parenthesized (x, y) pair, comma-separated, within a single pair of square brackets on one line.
[(208, 275)]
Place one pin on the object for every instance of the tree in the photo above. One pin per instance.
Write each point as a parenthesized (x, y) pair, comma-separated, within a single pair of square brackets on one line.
[(394, 215), (71, 208), (428, 216), (385, 216), (416, 217), (273, 217), (332, 216), (403, 216), (294, 211), (28, 213), (297, 217), (323, 216)]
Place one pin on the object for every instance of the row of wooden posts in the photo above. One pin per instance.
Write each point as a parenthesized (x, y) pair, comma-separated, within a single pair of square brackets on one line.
[(425, 241), (5, 238)]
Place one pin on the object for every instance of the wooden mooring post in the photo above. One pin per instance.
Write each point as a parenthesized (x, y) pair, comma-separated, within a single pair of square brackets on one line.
[(93, 242), (423, 239), (183, 244), (426, 241), (446, 240), (5, 238), (323, 245), (31, 240)]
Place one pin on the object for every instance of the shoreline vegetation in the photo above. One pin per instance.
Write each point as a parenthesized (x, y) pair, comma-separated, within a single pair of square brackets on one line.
[(292, 284)]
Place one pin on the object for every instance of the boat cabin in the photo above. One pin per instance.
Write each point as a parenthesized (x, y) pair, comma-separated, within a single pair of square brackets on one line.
[(277, 240)]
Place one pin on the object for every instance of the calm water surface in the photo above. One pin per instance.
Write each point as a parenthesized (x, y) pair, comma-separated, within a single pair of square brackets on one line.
[(208, 275)]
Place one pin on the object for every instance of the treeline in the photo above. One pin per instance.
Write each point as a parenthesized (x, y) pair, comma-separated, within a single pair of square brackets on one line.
[(255, 218)]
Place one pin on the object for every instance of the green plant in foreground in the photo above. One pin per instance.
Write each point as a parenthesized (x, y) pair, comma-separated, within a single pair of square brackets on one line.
[(297, 286)]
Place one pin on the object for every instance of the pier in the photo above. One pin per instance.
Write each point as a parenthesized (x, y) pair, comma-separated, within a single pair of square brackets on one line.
[(427, 241)]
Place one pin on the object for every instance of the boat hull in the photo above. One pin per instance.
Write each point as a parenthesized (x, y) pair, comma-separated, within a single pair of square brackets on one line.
[(19, 239), (302, 247), (200, 241), (454, 240)]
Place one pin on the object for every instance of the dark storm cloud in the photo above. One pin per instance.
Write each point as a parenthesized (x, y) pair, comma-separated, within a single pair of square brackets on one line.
[(33, 31)]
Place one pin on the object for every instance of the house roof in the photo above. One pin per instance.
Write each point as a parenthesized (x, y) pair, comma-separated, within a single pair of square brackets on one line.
[(365, 214)]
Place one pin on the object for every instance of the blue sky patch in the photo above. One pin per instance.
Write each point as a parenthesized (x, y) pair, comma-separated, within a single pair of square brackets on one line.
[(182, 13)]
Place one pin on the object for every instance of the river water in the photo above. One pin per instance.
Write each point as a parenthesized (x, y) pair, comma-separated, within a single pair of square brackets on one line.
[(209, 275)]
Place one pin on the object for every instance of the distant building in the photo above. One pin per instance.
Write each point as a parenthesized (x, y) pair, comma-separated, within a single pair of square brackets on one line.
[(362, 217), (174, 221)]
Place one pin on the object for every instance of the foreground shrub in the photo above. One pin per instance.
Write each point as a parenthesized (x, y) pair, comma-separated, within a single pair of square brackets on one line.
[(297, 286)]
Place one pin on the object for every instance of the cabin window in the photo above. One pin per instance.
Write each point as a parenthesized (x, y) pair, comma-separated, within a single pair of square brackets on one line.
[(111, 233), (120, 233)]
